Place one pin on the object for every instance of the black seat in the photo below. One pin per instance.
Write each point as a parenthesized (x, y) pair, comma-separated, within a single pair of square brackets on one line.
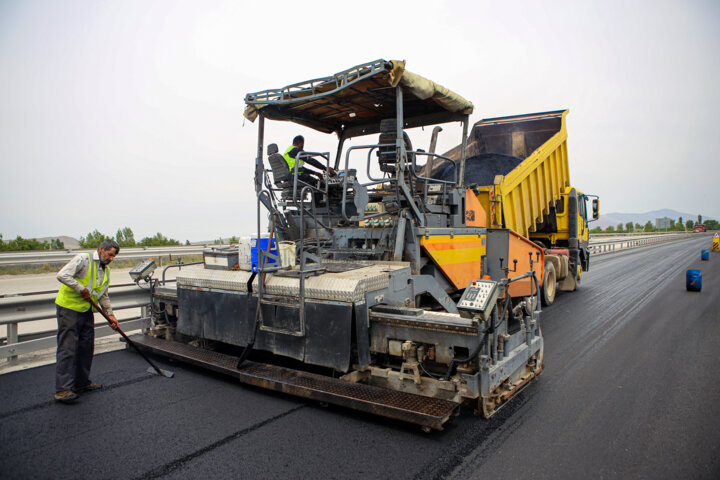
[(280, 170)]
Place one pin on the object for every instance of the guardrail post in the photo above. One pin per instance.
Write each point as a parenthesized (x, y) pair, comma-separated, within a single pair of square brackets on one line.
[(12, 338)]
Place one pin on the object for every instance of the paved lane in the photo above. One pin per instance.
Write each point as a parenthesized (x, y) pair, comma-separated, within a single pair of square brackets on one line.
[(628, 391), (630, 388)]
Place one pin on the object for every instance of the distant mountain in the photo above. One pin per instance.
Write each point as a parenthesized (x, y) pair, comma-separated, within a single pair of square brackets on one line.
[(70, 242), (608, 219)]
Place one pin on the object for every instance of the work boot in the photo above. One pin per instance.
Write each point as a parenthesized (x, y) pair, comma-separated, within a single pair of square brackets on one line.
[(66, 396), (88, 388)]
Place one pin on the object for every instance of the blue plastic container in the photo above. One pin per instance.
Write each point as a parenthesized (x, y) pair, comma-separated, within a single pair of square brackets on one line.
[(705, 254), (269, 262), (693, 280)]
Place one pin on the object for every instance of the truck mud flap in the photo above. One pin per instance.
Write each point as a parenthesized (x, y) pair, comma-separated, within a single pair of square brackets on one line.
[(424, 411)]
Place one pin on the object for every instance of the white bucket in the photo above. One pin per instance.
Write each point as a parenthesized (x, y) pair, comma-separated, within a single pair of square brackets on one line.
[(244, 257), (287, 254)]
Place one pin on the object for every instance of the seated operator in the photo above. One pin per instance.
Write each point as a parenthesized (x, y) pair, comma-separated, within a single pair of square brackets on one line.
[(291, 154)]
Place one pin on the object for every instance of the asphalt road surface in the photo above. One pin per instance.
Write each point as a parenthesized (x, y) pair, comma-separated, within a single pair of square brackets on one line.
[(629, 390)]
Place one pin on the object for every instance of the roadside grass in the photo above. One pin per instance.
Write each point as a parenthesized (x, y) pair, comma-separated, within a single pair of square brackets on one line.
[(161, 261)]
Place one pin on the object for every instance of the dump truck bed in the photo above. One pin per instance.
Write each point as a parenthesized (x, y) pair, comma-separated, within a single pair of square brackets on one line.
[(520, 166)]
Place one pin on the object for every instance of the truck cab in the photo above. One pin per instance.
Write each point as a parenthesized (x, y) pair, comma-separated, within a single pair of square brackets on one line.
[(560, 224)]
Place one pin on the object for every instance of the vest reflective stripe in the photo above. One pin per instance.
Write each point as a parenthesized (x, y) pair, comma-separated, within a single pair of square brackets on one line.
[(67, 297), (291, 161)]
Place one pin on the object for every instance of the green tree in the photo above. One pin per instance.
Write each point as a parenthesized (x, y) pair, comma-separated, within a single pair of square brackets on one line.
[(125, 237), (22, 244), (629, 227), (619, 228), (610, 229), (56, 244), (648, 227), (712, 224), (689, 224), (93, 239), (638, 227), (596, 230), (159, 240), (699, 219), (187, 242)]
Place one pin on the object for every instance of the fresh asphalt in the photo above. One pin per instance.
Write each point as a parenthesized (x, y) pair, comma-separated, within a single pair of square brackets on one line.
[(629, 390)]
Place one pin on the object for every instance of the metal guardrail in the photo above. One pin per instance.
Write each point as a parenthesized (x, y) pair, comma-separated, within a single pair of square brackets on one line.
[(24, 258), (600, 247), (41, 306)]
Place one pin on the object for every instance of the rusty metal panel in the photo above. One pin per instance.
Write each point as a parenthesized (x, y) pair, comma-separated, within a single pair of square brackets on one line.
[(229, 317), (223, 316), (191, 313), (328, 335), (282, 318)]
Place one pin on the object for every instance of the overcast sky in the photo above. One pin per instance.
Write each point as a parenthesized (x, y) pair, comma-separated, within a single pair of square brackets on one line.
[(129, 113)]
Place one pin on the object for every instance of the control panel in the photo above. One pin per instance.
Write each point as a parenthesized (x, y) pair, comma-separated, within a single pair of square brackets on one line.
[(376, 208), (142, 270), (478, 299), (339, 178)]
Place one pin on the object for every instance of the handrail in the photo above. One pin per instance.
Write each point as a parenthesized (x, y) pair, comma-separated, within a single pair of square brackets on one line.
[(373, 181)]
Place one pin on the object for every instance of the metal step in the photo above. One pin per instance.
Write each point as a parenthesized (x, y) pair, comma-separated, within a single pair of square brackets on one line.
[(424, 411)]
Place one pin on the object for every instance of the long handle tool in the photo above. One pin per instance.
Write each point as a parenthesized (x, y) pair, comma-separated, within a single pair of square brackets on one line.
[(153, 368)]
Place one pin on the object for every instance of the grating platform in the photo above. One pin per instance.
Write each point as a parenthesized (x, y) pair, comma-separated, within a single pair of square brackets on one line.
[(407, 407)]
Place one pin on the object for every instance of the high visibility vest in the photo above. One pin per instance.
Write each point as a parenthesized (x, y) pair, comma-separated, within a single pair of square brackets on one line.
[(291, 161), (67, 297)]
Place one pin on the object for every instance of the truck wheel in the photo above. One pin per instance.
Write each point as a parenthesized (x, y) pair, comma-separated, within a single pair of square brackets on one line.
[(578, 277), (549, 286)]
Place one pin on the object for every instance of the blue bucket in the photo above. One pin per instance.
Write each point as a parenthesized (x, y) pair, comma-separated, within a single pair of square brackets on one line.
[(254, 254), (705, 254), (693, 280)]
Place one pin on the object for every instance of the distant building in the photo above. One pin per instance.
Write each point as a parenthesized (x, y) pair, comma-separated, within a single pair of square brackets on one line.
[(662, 223)]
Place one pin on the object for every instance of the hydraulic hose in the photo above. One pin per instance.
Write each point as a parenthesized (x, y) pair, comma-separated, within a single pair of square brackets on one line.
[(470, 357), (493, 325), (537, 291)]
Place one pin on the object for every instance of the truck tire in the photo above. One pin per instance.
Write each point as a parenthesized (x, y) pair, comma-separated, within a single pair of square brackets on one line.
[(549, 286), (578, 276)]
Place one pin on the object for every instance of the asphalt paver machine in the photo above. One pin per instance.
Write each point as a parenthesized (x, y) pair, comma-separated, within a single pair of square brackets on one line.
[(378, 288)]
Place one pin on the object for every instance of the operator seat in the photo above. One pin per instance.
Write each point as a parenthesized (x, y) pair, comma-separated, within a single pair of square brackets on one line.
[(281, 172)]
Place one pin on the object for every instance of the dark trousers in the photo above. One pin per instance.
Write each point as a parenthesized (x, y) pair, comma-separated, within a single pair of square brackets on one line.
[(76, 344)]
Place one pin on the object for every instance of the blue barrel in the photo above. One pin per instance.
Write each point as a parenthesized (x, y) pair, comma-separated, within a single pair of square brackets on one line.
[(705, 254), (693, 280)]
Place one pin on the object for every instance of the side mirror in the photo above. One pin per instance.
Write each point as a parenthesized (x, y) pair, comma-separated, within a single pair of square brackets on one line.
[(596, 208)]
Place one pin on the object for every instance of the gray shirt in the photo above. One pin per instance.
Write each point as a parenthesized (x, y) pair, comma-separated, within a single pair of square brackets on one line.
[(78, 268)]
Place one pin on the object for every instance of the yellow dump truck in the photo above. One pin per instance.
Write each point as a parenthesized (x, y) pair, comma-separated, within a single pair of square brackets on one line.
[(412, 282), (517, 166)]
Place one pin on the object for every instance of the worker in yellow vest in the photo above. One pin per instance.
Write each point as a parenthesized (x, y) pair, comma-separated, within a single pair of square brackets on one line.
[(85, 277), (290, 157)]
